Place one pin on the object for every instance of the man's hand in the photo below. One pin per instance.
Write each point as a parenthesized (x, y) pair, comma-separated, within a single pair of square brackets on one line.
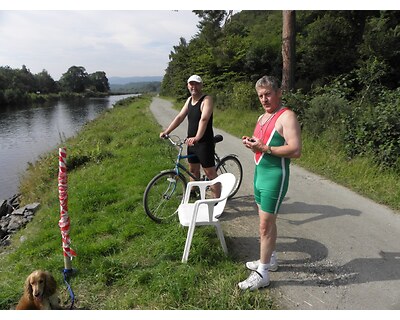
[(191, 141), (163, 135)]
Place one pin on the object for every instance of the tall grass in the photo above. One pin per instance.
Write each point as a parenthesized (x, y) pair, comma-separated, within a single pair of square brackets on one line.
[(125, 261), (360, 174)]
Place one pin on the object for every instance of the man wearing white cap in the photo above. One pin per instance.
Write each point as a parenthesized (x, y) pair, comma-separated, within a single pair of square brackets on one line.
[(199, 110)]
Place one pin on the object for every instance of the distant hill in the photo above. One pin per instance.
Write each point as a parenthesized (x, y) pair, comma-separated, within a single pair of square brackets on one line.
[(126, 80)]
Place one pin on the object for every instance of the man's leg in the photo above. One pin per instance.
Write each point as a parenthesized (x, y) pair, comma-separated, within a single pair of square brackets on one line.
[(211, 174), (194, 169), (268, 235)]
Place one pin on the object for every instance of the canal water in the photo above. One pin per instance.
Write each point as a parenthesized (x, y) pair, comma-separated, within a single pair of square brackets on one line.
[(26, 132)]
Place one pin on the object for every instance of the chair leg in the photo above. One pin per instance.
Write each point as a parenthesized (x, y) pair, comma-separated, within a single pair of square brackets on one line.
[(188, 244), (221, 238)]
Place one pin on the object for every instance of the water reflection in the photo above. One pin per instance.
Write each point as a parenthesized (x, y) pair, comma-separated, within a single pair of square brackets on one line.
[(27, 132)]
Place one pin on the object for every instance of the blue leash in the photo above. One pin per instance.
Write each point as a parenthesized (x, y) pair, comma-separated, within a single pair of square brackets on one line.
[(71, 293)]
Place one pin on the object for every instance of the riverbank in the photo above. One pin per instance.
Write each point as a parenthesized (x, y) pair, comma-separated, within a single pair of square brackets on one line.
[(39, 98)]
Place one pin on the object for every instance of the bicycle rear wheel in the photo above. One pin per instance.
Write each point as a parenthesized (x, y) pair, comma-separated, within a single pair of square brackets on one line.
[(163, 195), (231, 163)]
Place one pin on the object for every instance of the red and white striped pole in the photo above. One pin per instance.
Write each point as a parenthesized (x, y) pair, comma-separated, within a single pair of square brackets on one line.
[(64, 222)]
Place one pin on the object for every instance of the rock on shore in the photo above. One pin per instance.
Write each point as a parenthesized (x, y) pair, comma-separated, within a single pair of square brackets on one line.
[(13, 218)]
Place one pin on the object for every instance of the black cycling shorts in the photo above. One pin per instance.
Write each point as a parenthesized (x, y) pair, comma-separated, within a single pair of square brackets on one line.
[(204, 154)]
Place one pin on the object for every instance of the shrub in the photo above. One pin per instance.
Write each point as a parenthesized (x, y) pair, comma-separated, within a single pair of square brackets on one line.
[(242, 97), (326, 111), (298, 102), (375, 131)]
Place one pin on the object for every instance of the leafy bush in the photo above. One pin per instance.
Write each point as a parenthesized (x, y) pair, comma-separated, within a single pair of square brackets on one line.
[(242, 97), (375, 131), (298, 102), (326, 111)]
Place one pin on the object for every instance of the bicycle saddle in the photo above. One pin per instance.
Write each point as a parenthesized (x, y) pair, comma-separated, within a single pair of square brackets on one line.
[(218, 138)]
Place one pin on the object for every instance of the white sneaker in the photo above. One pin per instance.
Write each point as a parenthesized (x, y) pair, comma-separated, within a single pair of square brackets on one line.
[(254, 281), (273, 264)]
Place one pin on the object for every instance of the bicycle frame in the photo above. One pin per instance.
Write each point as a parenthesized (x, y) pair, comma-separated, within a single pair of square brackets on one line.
[(178, 164)]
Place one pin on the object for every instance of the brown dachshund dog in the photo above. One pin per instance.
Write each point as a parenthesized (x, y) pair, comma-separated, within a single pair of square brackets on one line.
[(40, 292)]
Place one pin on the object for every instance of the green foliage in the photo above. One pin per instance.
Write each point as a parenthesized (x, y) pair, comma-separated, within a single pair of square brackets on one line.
[(45, 83), (346, 62), (375, 130), (99, 82), (240, 50), (21, 86), (325, 111), (241, 96), (298, 102), (317, 50), (369, 75), (248, 45), (137, 87), (177, 72), (210, 24), (75, 79), (381, 40)]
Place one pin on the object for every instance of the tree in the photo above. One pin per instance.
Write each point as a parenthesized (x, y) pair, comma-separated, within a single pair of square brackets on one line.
[(177, 71), (75, 79), (327, 45), (99, 81), (45, 83), (24, 80), (288, 49), (210, 24)]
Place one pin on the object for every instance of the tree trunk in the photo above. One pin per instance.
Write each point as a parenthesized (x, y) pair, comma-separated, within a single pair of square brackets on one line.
[(288, 48)]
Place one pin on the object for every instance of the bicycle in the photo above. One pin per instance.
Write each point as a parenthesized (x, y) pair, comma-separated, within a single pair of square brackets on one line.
[(165, 191)]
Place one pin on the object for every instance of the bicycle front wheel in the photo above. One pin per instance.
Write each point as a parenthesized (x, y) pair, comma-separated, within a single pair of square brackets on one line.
[(231, 164), (163, 195)]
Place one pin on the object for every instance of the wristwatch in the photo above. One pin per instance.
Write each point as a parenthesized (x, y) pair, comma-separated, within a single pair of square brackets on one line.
[(269, 151)]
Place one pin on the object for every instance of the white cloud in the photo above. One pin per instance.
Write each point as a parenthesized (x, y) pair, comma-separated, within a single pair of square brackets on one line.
[(121, 43)]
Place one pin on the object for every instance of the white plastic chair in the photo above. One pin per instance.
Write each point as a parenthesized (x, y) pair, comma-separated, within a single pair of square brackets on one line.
[(205, 211)]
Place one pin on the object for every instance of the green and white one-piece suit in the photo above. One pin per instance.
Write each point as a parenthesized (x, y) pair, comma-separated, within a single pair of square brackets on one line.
[(271, 175)]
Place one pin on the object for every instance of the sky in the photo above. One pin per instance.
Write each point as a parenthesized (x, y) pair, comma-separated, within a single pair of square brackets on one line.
[(120, 39), (120, 43)]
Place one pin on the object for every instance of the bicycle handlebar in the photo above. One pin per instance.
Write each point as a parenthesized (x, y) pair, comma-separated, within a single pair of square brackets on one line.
[(178, 144), (217, 138)]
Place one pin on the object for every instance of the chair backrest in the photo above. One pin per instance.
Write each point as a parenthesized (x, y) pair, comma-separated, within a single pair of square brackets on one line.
[(227, 181)]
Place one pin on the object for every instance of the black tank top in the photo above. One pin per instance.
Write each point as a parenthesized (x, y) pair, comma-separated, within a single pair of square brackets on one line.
[(194, 116)]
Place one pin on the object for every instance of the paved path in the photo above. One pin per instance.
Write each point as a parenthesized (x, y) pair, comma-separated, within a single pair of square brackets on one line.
[(336, 249)]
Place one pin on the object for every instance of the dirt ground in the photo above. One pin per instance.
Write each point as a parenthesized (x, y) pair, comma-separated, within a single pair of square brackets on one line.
[(336, 249)]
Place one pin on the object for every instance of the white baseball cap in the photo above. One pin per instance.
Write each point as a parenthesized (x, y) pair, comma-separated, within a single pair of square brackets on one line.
[(195, 78)]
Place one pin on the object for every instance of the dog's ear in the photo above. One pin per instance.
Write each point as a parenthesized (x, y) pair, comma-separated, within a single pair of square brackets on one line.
[(51, 284), (28, 287)]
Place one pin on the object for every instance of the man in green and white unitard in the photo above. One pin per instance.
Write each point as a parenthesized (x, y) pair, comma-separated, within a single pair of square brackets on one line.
[(276, 139)]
